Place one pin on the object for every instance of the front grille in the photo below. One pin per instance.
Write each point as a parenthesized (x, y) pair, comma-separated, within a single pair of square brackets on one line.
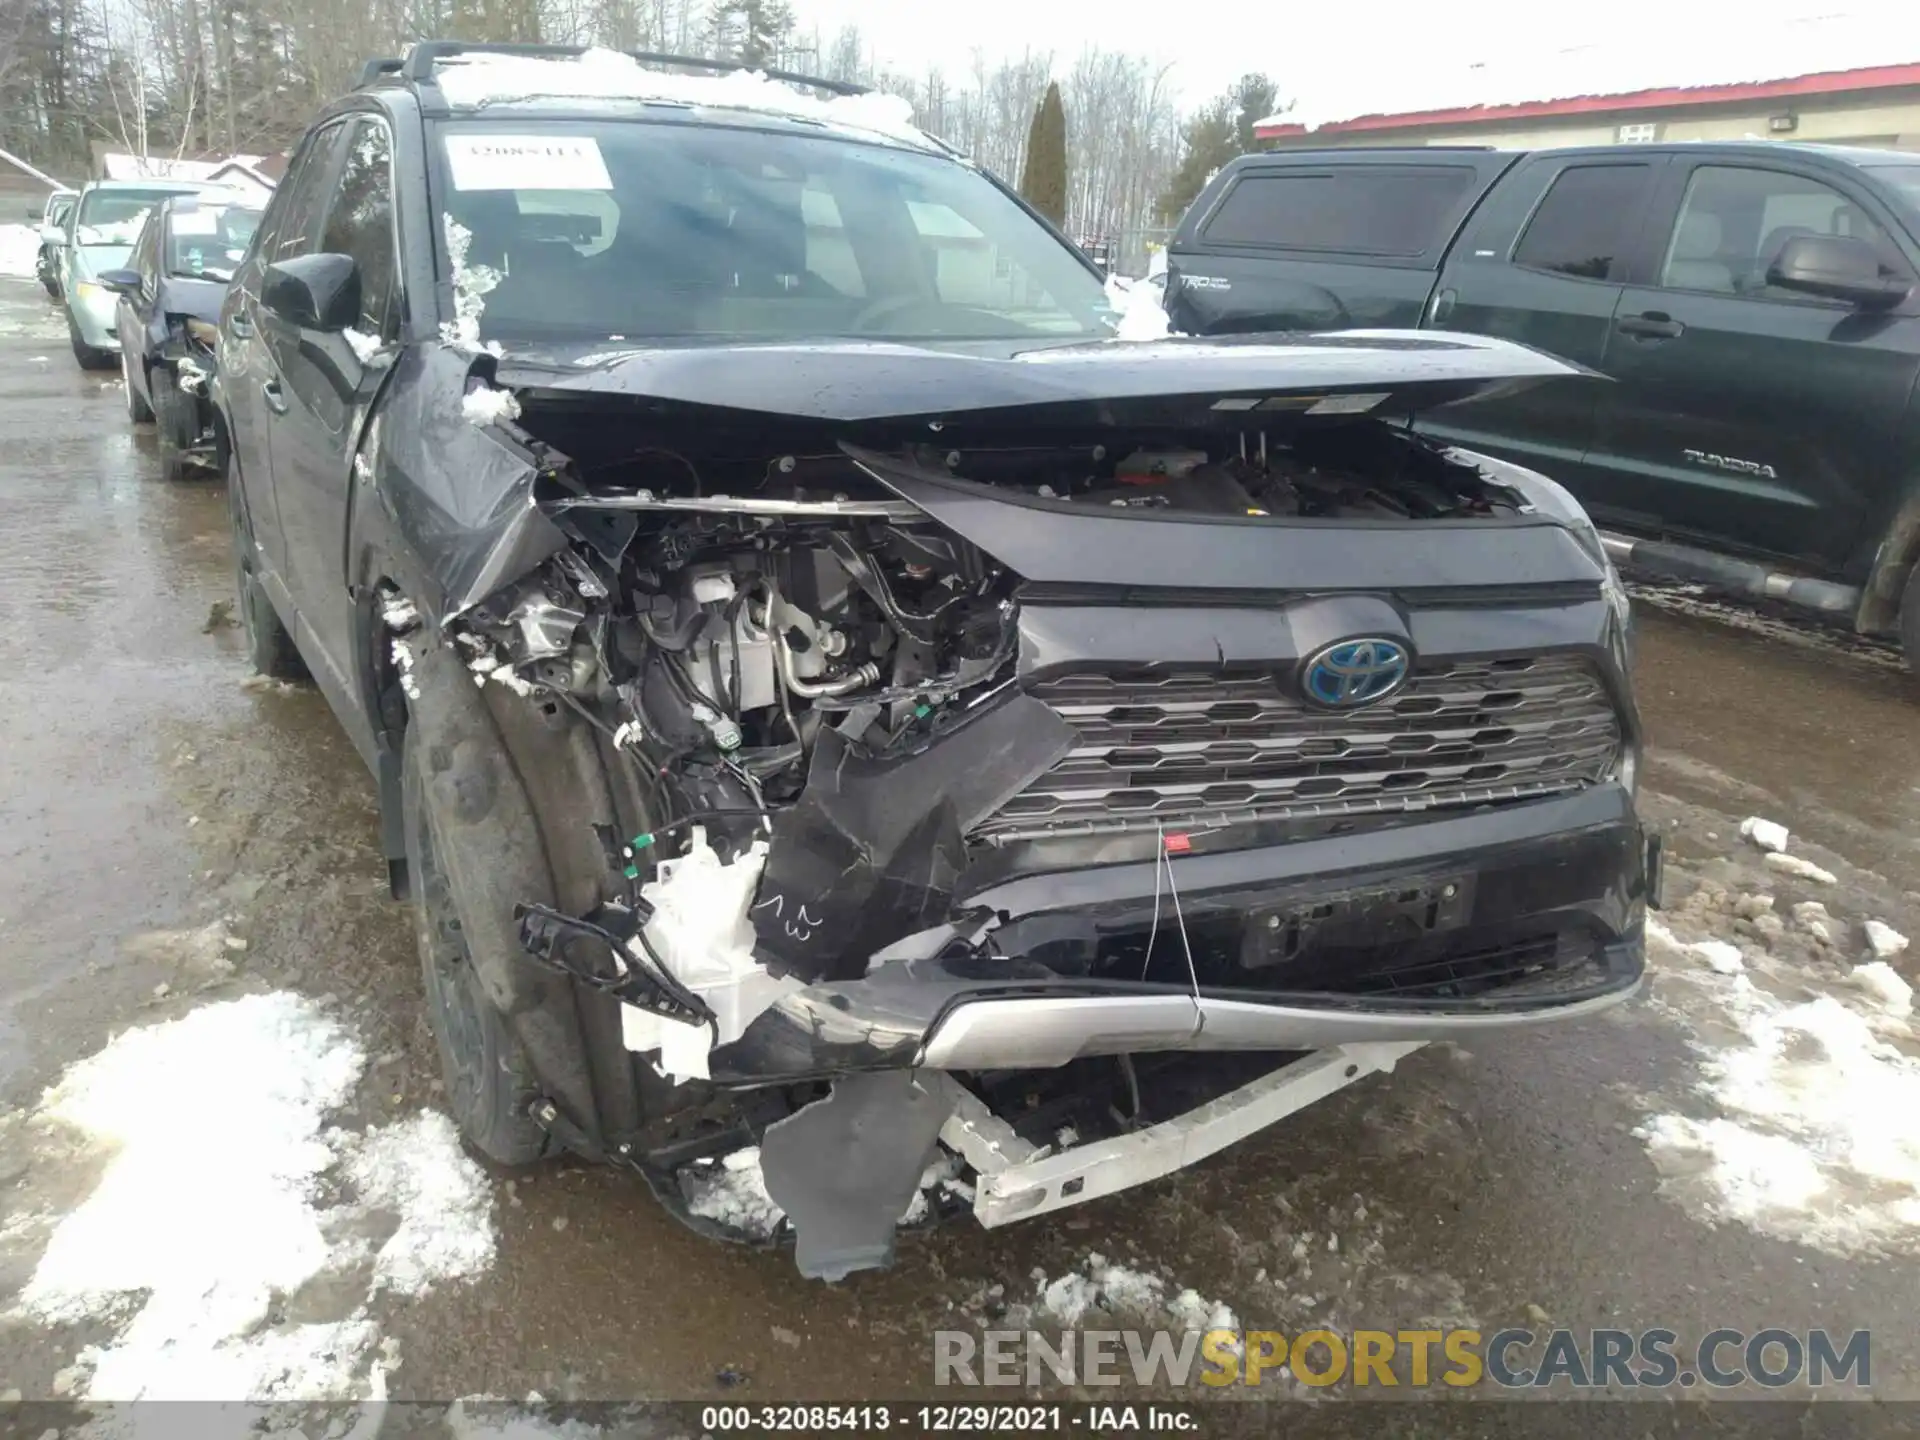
[(1192, 751)]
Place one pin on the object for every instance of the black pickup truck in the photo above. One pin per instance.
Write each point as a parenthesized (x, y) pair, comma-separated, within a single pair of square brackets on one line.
[(1755, 305)]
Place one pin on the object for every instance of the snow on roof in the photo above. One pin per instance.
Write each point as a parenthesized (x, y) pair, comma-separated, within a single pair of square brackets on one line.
[(245, 165), (482, 79), (1661, 46), (117, 166)]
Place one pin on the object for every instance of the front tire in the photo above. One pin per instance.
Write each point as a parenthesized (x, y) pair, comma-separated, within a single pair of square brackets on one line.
[(176, 424), (138, 411), (90, 357), (489, 1086)]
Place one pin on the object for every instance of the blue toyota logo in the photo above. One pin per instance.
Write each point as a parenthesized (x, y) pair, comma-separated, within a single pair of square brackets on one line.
[(1351, 673)]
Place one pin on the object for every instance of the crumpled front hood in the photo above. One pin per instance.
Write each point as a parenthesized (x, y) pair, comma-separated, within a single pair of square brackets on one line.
[(1255, 381)]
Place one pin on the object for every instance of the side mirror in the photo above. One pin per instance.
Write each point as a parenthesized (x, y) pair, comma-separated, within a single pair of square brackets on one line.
[(124, 282), (313, 292), (53, 235), (1836, 267)]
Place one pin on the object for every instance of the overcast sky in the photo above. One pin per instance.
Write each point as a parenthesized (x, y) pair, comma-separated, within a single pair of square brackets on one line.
[(1361, 56)]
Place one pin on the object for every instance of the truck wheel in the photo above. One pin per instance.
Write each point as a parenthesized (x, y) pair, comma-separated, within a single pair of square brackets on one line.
[(50, 285), (138, 411), (176, 424), (90, 357), (269, 646), (1910, 620), (489, 1086)]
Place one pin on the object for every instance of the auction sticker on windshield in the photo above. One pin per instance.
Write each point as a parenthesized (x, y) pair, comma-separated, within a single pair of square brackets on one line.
[(526, 162)]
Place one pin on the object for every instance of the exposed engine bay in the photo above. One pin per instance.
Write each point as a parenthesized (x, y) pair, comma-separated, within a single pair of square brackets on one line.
[(719, 611), (774, 639)]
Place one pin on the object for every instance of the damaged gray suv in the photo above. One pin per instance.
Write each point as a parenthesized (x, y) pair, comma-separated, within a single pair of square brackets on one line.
[(863, 742)]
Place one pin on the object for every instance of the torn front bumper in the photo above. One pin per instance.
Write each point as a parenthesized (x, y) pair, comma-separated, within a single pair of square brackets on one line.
[(1017, 1180), (1547, 926)]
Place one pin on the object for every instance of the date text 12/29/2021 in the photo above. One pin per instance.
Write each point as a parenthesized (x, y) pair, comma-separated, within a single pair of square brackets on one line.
[(950, 1419)]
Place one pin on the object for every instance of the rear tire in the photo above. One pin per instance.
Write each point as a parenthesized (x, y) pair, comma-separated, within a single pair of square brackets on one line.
[(489, 1086), (138, 410), (90, 357), (269, 646), (176, 423)]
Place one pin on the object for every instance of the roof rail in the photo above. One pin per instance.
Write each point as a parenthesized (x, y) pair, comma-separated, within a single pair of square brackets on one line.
[(425, 54), (374, 69)]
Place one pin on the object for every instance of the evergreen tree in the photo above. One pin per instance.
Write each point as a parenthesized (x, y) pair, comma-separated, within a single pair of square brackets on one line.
[(1044, 180), (502, 21), (754, 32), (1215, 134), (1254, 99)]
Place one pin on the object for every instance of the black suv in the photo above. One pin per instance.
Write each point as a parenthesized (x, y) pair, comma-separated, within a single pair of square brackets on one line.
[(826, 691)]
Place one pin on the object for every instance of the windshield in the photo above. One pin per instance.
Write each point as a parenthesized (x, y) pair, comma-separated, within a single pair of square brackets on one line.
[(113, 217), (206, 242), (1903, 180), (610, 230)]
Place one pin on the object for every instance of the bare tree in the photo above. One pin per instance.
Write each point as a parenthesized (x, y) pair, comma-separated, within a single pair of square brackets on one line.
[(172, 77)]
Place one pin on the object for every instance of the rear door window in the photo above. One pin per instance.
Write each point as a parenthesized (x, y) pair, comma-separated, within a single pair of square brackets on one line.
[(1354, 210), (1586, 224)]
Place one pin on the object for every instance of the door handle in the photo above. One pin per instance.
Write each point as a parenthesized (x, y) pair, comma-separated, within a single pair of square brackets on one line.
[(1442, 307), (1651, 326), (276, 398)]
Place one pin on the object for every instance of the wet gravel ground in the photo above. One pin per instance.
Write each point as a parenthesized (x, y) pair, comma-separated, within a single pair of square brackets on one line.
[(147, 789)]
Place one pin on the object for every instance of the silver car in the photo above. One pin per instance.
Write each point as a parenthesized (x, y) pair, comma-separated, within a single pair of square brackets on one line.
[(101, 231)]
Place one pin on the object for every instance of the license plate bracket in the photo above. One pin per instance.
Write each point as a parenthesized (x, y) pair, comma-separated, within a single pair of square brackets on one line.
[(1365, 919)]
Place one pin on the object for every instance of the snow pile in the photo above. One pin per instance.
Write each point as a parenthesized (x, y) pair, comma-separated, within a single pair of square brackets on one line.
[(733, 1193), (1885, 941), (1717, 955), (1138, 304), (1818, 1139), (415, 1169), (363, 345), (1126, 1294), (223, 1196), (1812, 917), (486, 406), (1720, 957), (1884, 986), (1805, 869), (1767, 834), (403, 663), (19, 250), (478, 80)]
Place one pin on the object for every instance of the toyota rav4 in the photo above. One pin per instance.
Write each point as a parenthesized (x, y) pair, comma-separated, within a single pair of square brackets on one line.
[(861, 740)]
